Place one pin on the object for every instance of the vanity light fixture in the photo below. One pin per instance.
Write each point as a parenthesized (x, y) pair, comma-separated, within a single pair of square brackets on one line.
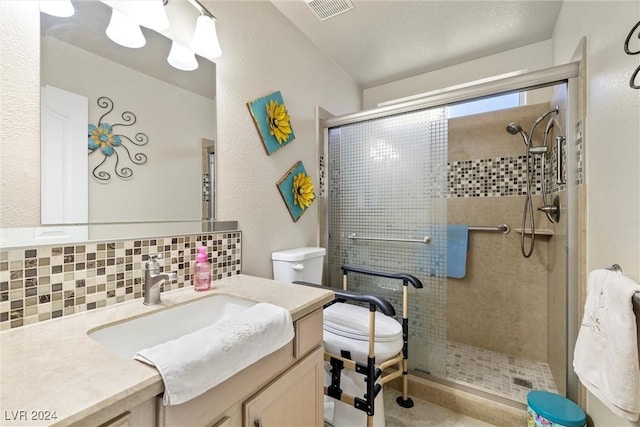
[(60, 8), (182, 58), (205, 39), (124, 31), (150, 14)]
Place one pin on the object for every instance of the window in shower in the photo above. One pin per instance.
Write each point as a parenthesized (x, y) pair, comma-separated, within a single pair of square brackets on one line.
[(493, 103)]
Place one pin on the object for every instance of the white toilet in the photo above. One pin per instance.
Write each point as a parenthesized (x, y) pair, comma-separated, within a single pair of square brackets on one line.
[(346, 328)]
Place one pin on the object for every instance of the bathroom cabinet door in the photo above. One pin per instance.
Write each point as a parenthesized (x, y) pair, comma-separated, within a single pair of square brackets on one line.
[(294, 399)]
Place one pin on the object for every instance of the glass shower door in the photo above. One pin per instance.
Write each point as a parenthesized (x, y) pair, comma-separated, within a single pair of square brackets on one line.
[(388, 180)]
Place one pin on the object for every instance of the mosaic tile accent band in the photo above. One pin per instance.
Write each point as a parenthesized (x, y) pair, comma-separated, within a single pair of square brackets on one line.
[(505, 176), (497, 177), (45, 282)]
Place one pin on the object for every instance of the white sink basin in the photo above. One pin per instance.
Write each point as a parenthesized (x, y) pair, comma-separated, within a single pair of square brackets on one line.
[(130, 336)]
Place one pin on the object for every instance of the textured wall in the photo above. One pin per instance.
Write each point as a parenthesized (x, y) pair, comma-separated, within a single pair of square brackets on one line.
[(612, 133), (20, 113), (263, 53)]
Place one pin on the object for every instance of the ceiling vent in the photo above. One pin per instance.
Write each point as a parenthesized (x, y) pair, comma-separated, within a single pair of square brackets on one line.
[(325, 9)]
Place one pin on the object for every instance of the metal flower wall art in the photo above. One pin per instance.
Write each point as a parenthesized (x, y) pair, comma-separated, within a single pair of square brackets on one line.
[(634, 81), (105, 139), (297, 190), (272, 120)]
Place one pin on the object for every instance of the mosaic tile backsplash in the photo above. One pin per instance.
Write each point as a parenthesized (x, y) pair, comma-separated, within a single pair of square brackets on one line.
[(45, 282)]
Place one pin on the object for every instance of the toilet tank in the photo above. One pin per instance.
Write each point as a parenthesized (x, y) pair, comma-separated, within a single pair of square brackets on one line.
[(300, 264)]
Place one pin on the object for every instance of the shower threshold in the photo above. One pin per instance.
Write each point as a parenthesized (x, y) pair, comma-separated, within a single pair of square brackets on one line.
[(497, 373)]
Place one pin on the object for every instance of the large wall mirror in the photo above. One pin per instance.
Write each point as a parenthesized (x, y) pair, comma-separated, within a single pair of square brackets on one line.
[(165, 119)]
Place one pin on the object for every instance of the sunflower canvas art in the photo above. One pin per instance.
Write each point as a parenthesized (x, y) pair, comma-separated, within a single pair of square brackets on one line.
[(297, 191), (272, 120)]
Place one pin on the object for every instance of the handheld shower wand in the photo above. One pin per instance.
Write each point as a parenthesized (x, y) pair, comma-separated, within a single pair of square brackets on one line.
[(541, 117), (514, 128)]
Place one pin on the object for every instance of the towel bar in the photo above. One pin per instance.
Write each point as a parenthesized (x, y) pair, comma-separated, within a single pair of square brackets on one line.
[(615, 268), (635, 301)]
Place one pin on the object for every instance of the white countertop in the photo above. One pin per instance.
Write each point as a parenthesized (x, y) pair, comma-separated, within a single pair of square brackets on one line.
[(54, 367)]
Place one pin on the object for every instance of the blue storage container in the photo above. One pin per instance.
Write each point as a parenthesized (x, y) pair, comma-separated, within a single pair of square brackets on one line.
[(546, 409)]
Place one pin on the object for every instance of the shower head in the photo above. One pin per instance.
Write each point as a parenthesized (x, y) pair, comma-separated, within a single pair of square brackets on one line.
[(514, 128)]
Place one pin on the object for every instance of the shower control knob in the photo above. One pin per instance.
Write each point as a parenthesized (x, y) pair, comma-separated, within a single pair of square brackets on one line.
[(553, 210), (549, 209)]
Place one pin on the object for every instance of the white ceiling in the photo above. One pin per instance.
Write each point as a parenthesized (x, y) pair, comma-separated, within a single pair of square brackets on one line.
[(383, 41)]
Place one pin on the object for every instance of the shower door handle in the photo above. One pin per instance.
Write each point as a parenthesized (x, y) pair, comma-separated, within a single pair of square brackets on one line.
[(560, 140)]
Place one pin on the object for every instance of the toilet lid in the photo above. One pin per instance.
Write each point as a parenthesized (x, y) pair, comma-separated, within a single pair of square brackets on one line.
[(352, 321)]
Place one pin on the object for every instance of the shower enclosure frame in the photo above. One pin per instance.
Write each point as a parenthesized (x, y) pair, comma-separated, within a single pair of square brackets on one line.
[(568, 74)]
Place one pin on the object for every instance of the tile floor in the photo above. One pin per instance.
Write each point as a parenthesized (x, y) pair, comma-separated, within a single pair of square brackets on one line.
[(423, 414), (489, 371), (497, 373)]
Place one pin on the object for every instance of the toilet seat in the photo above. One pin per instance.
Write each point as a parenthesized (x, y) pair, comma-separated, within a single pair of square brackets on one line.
[(346, 329), (352, 321)]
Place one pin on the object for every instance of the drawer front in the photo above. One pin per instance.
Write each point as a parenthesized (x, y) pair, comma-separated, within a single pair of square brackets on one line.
[(308, 334)]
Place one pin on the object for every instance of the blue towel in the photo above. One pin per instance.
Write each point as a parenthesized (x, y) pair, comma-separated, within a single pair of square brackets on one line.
[(457, 247)]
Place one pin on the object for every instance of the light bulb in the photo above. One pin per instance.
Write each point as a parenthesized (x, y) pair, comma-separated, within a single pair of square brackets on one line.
[(205, 40), (124, 31), (182, 58), (61, 8)]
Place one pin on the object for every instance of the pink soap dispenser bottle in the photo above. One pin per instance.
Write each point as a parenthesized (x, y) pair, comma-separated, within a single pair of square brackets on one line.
[(202, 274)]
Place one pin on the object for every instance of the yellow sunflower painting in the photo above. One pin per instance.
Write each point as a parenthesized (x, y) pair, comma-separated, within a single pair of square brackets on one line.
[(272, 120), (278, 120), (303, 190), (297, 190)]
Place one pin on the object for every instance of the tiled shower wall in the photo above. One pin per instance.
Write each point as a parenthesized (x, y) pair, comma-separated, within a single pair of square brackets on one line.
[(46, 282), (502, 302)]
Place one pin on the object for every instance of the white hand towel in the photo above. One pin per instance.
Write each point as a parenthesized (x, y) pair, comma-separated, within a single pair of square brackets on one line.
[(194, 363), (606, 354)]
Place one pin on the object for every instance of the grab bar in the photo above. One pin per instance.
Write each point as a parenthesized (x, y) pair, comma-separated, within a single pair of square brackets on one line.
[(426, 240), (504, 228), (406, 278), (380, 303)]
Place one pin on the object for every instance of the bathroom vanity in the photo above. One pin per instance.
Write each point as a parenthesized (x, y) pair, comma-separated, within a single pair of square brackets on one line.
[(54, 373)]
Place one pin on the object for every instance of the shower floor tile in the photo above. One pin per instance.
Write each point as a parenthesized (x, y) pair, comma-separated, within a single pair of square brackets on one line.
[(497, 373)]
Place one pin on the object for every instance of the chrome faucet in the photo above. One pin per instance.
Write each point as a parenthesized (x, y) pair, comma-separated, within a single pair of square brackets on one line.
[(152, 279)]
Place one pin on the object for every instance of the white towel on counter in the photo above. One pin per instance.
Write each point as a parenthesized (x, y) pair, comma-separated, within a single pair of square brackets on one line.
[(606, 353), (196, 362)]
